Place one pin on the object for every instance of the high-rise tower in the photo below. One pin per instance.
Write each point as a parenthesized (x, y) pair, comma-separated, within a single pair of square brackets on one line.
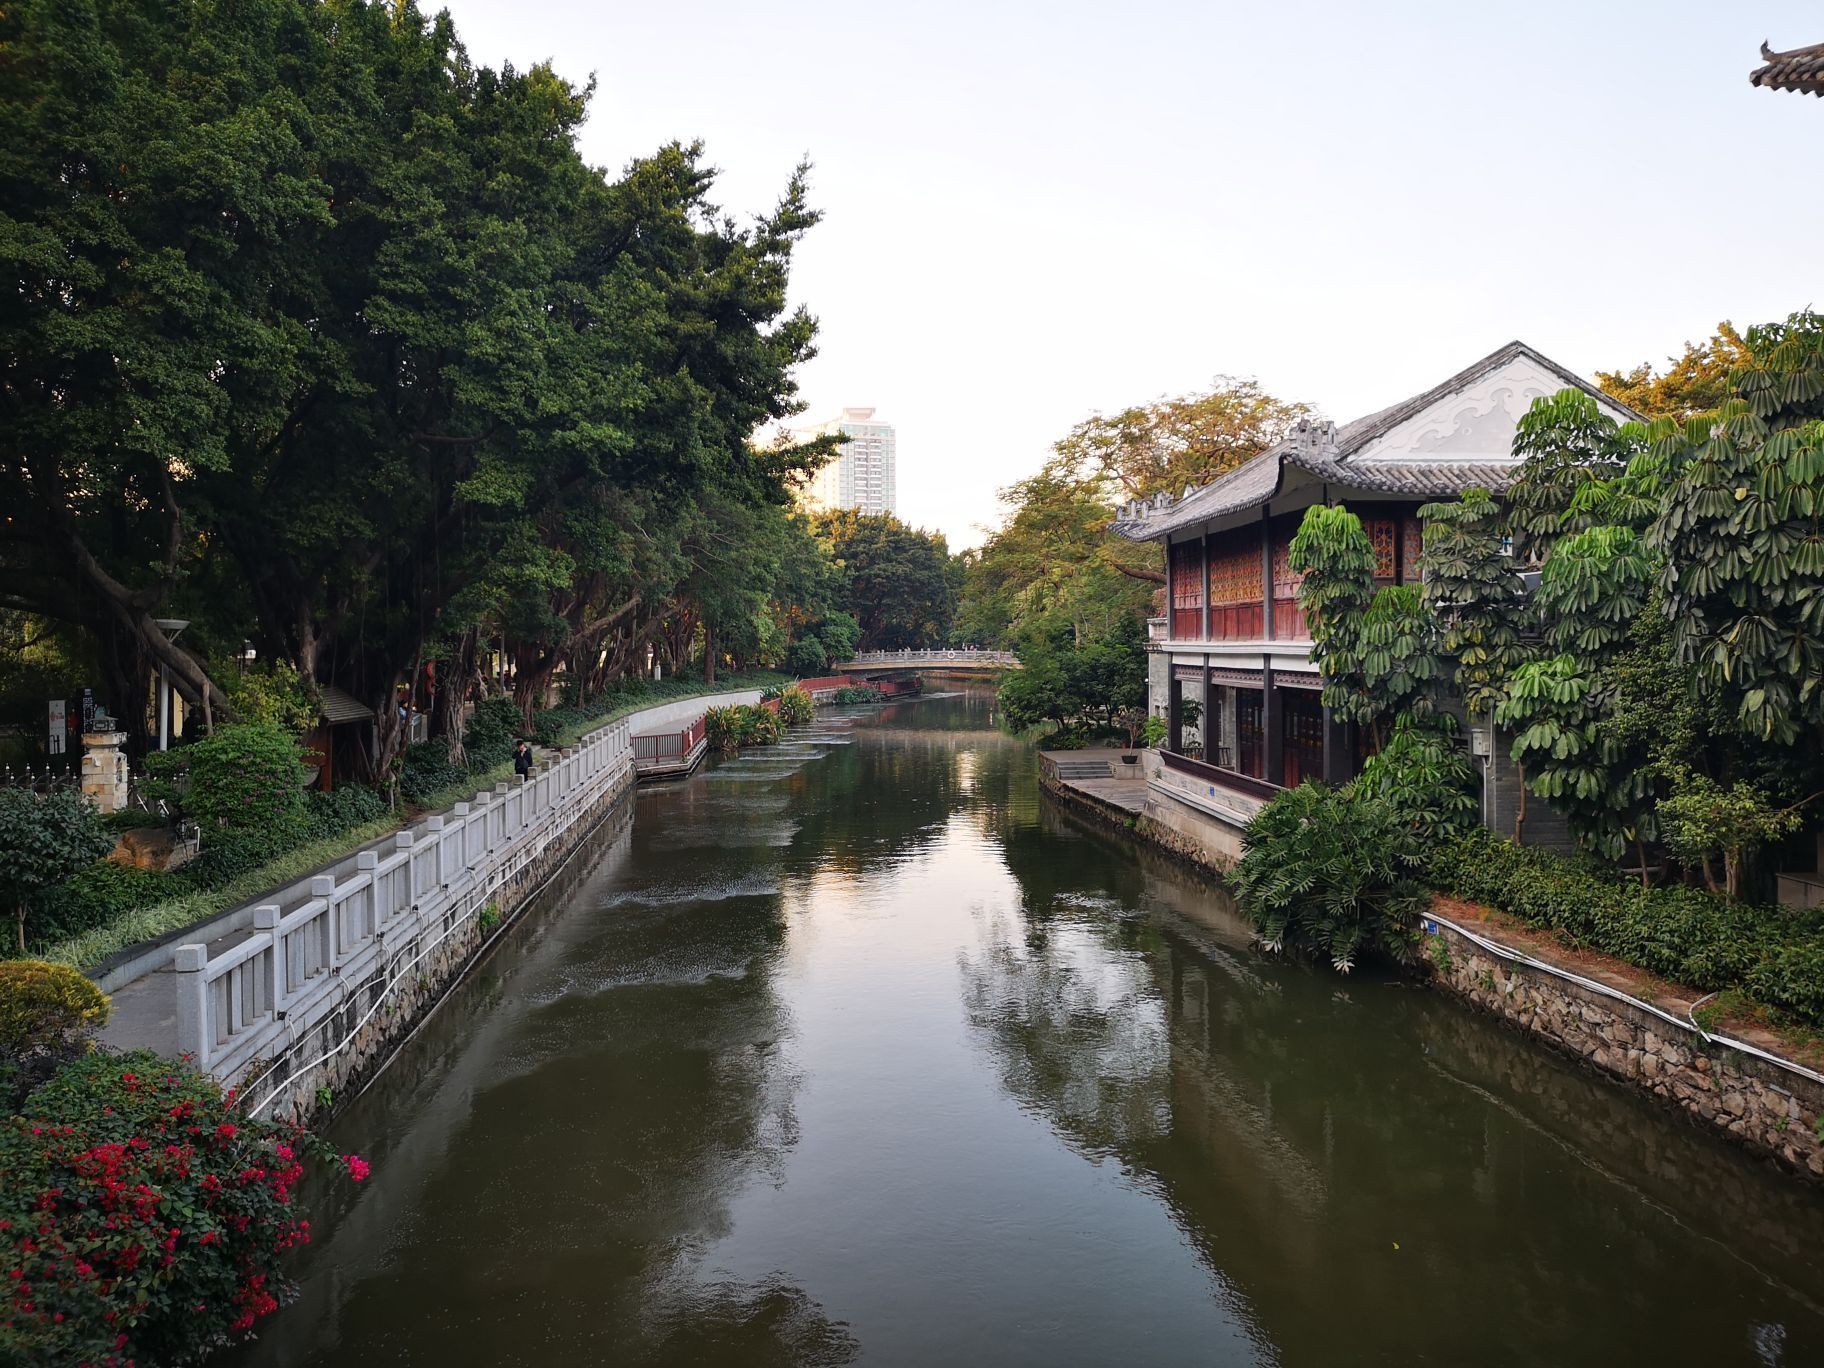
[(861, 476)]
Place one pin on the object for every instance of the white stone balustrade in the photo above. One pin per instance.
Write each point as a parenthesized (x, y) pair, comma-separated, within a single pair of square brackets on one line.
[(258, 996)]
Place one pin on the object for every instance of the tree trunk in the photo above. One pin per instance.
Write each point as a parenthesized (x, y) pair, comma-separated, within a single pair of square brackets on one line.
[(709, 654)]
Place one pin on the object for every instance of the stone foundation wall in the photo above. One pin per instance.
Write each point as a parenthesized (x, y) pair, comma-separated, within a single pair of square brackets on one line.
[(1766, 1108)]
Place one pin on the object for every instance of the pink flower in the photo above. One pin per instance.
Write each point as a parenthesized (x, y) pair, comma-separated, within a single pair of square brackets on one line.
[(357, 1166)]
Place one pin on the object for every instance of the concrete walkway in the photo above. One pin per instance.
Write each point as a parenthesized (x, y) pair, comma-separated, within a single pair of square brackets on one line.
[(1099, 776)]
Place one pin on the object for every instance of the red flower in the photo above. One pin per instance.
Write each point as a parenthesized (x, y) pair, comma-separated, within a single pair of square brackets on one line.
[(357, 1166)]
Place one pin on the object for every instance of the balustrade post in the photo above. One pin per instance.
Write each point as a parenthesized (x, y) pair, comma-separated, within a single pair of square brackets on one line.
[(433, 828), (194, 1037), (478, 815), (324, 886), (368, 862), (403, 892), (266, 919)]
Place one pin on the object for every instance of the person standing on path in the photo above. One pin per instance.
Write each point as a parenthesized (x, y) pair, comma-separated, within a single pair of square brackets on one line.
[(522, 759)]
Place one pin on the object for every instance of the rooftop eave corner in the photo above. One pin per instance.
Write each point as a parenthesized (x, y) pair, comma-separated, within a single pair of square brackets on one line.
[(1135, 516)]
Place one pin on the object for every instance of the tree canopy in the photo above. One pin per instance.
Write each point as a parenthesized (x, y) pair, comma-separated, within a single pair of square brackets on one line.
[(328, 339)]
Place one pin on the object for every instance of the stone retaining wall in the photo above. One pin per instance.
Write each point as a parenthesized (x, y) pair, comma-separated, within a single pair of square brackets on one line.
[(1770, 1110)]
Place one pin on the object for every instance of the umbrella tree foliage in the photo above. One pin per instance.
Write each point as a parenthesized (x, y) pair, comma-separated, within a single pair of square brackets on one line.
[(1680, 606), (1377, 649), (327, 338)]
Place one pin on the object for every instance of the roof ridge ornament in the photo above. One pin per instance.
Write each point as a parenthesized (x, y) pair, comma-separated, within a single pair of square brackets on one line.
[(1311, 436)]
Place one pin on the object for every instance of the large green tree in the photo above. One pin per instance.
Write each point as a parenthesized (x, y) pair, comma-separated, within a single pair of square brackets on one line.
[(329, 338), (896, 579)]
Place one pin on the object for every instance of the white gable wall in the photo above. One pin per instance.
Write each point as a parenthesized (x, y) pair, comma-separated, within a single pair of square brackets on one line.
[(1477, 423)]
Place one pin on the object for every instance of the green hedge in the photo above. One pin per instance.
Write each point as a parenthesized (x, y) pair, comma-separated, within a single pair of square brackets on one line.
[(1693, 937), (99, 894)]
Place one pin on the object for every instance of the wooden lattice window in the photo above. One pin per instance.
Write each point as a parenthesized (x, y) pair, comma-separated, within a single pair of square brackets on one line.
[(1285, 579), (1235, 571), (1382, 535), (1412, 536), (1187, 576)]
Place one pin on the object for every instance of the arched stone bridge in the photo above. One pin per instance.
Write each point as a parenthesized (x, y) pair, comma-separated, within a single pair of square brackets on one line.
[(868, 662)]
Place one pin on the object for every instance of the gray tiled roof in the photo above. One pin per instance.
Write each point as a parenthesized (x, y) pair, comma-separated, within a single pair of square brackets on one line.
[(335, 706), (1330, 453), (1801, 70)]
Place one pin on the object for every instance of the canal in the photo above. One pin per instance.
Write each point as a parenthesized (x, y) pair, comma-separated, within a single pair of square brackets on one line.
[(857, 1051)]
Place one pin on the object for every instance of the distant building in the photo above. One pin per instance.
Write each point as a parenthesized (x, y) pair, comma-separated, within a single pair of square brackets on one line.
[(862, 474)]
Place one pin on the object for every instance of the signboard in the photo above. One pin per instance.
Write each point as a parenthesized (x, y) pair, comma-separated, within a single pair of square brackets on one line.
[(88, 710), (59, 725)]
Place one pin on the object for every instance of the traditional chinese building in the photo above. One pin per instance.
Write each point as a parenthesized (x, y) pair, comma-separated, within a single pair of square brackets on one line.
[(1233, 642)]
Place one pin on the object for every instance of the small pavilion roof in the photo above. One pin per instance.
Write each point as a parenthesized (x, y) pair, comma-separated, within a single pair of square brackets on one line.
[(335, 706), (1801, 70)]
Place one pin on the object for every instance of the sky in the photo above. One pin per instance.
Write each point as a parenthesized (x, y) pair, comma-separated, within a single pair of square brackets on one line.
[(1035, 212)]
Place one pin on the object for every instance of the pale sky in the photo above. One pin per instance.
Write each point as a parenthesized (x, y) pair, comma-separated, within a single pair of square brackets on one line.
[(1037, 211)]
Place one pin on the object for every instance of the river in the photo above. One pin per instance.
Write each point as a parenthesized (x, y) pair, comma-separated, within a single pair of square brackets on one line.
[(857, 1051)]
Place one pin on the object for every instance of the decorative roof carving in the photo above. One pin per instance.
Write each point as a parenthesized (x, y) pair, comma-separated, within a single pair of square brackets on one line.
[(1800, 70)]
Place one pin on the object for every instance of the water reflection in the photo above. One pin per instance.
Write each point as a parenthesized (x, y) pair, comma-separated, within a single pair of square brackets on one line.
[(857, 1052)]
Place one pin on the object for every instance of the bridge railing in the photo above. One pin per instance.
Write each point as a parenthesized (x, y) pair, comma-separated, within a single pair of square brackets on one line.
[(955, 657)]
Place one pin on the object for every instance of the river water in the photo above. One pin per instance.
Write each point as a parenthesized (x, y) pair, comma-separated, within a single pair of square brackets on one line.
[(857, 1051)]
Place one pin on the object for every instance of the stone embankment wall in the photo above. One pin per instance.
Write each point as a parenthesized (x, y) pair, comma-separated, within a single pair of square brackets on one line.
[(1770, 1109), (1762, 1105)]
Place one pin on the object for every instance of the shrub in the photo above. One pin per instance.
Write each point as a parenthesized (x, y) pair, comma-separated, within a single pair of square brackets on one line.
[(722, 729), (47, 1011), (760, 727), (492, 728), (226, 855), (1332, 875), (729, 729), (795, 706), (131, 819), (43, 840), (274, 696), (97, 895), (856, 694), (1697, 938), (424, 769), (247, 775), (352, 805), (144, 1219), (1424, 776)]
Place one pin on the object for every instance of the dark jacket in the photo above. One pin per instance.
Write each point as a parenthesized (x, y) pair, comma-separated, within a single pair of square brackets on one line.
[(522, 760)]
